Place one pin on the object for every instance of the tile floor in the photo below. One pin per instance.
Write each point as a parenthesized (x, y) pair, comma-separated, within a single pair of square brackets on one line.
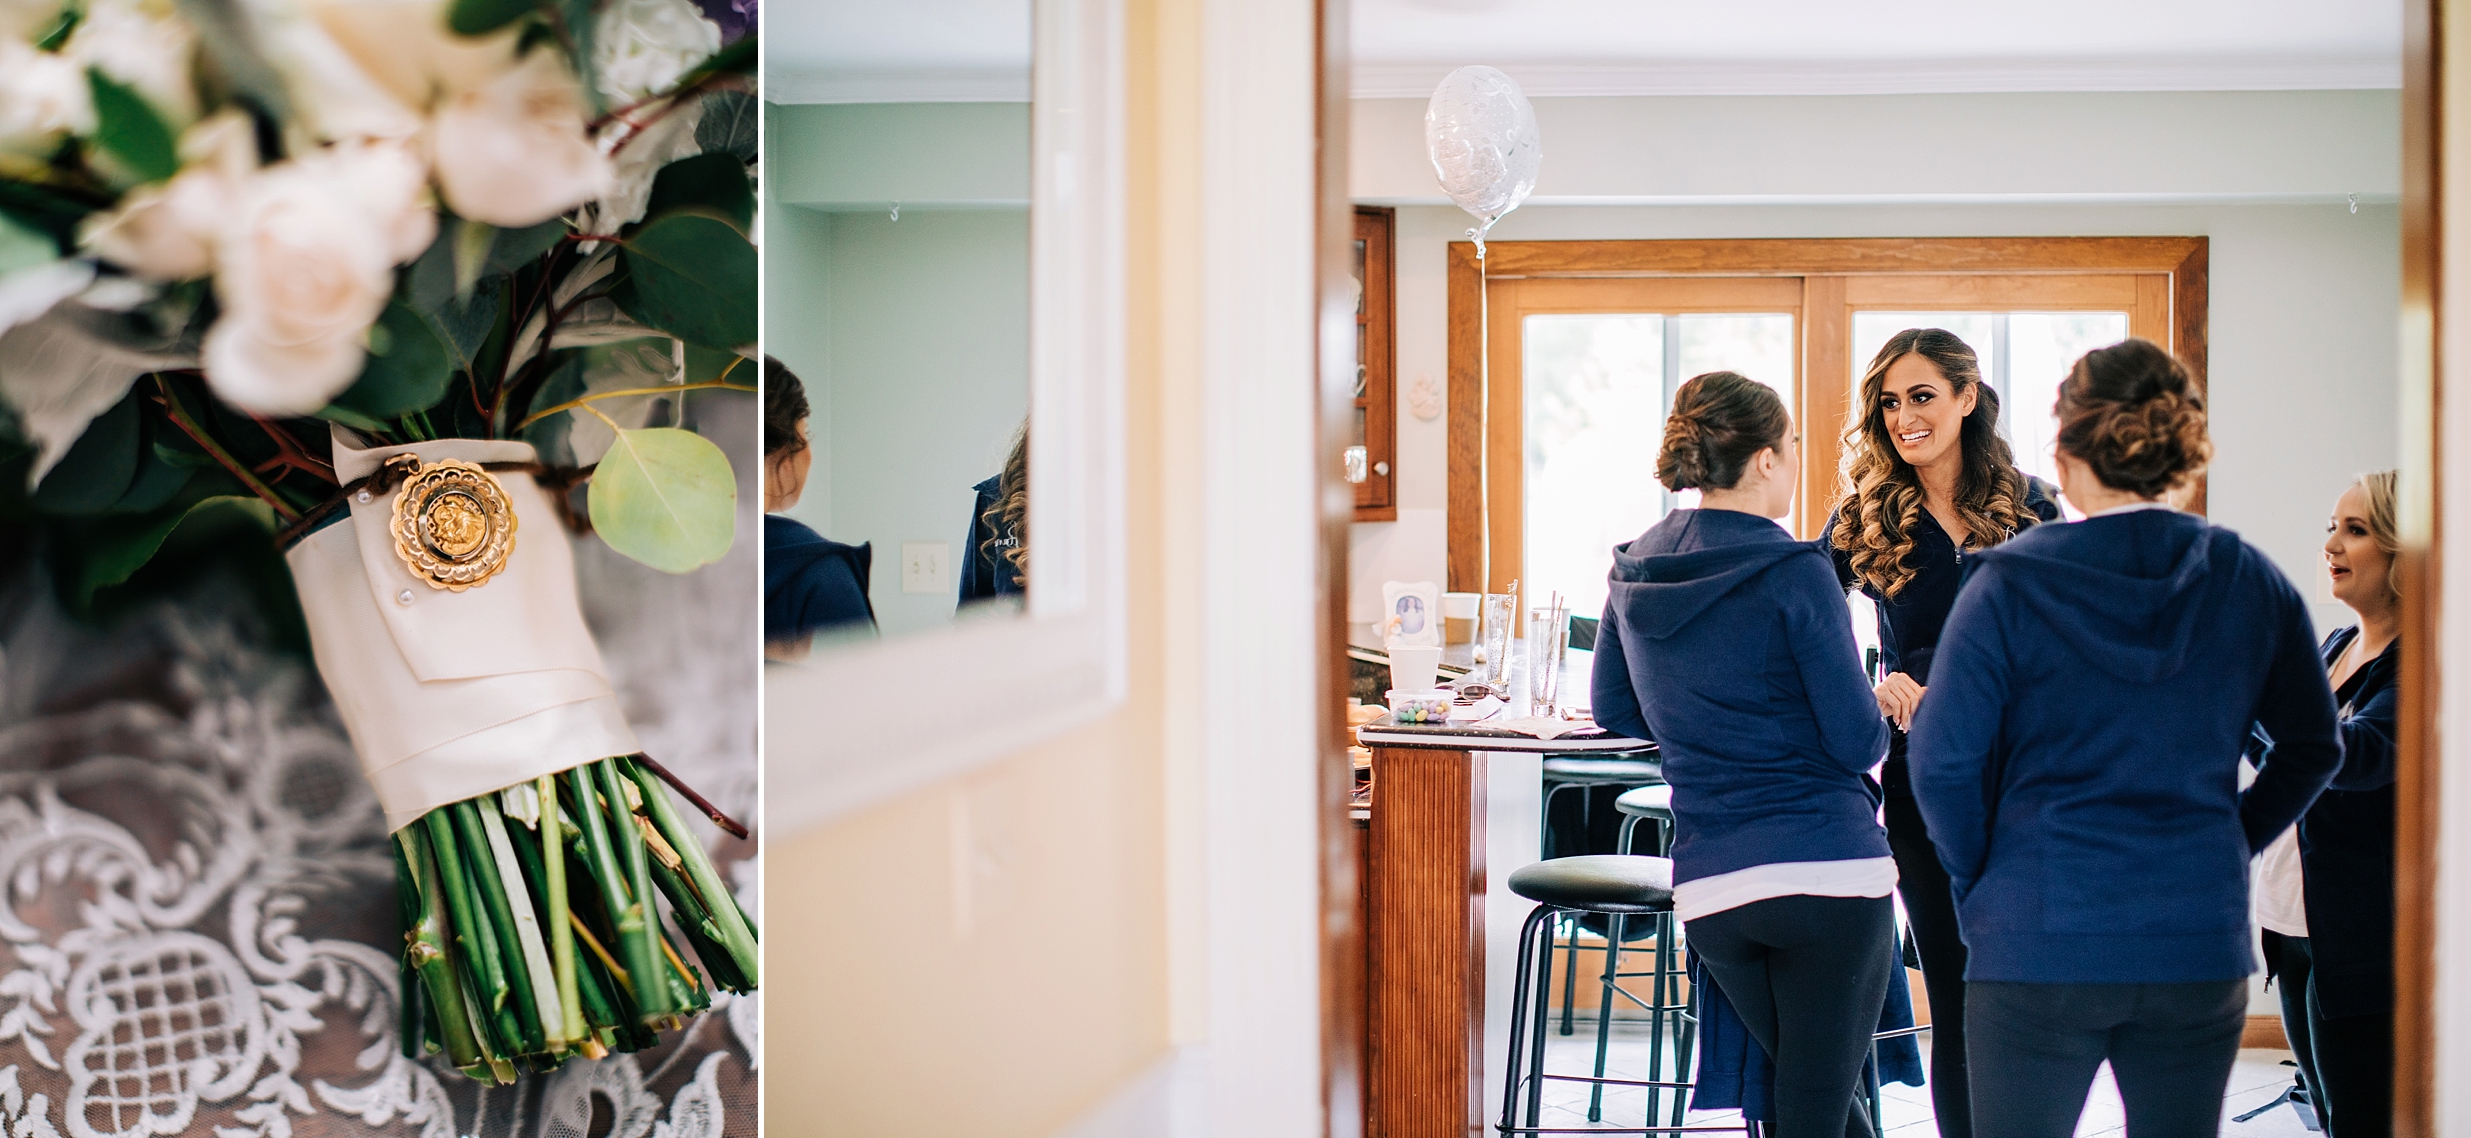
[(2258, 1078)]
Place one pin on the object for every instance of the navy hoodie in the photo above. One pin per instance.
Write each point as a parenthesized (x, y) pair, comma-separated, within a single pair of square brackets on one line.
[(812, 583), (2077, 761), (1726, 641)]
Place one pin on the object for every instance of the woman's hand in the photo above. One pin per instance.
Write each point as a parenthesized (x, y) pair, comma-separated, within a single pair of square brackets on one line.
[(1899, 698)]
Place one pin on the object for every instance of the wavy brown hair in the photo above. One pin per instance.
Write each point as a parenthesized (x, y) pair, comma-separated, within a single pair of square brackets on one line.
[(1879, 496), (1010, 512)]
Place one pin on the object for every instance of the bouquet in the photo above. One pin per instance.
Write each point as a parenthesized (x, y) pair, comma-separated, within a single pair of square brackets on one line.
[(397, 289)]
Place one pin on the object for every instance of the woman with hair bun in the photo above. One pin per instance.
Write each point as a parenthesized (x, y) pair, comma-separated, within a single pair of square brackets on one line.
[(2077, 764), (1928, 480), (1725, 640)]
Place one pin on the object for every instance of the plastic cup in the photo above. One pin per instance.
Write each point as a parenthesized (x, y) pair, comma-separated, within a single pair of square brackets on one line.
[(1414, 668)]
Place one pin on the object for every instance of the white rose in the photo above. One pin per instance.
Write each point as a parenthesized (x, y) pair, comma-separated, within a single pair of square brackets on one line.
[(167, 232), (147, 53), (406, 48), (641, 47), (306, 266), (514, 153), (42, 95)]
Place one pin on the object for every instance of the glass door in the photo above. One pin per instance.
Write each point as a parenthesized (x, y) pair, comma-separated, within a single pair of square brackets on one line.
[(1584, 374)]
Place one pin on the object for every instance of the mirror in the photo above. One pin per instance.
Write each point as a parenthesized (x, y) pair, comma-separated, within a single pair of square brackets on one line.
[(1018, 205), (898, 299)]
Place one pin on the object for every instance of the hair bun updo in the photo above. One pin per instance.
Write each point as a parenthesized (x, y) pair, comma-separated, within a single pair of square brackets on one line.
[(2134, 415), (1720, 420)]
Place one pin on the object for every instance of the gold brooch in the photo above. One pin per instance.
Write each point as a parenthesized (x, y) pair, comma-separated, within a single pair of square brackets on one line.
[(454, 525)]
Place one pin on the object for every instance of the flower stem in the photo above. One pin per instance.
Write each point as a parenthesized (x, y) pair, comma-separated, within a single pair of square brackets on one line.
[(180, 416), (737, 933), (535, 951), (640, 928), (571, 404), (427, 949), (561, 938), (472, 933)]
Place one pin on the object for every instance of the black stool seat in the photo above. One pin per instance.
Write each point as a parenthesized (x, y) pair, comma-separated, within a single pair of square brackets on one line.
[(1572, 769), (1599, 883), (1647, 802)]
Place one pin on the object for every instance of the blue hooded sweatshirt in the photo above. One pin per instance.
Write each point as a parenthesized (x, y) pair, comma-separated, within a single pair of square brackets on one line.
[(2077, 759), (1726, 641)]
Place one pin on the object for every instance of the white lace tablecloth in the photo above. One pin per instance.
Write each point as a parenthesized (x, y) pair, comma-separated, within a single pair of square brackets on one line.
[(199, 931)]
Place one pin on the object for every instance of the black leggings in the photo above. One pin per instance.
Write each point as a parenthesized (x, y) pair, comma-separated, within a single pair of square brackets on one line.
[(2347, 1061), (1930, 911), (1808, 976), (2034, 1049)]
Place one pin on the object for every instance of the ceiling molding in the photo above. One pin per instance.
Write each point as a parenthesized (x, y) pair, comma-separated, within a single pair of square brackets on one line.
[(1898, 77), (788, 83)]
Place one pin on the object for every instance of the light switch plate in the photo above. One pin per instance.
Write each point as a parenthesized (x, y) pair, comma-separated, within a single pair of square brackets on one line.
[(926, 567)]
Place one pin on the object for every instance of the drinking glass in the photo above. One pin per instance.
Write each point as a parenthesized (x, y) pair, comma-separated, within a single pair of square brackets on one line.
[(1548, 634), (1501, 616)]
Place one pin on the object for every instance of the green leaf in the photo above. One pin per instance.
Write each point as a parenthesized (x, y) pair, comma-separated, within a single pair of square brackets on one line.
[(481, 17), (519, 247), (116, 550), (730, 125), (63, 22), (99, 466), (23, 246), (716, 182), (665, 497), (158, 478), (409, 364), (128, 127), (691, 274)]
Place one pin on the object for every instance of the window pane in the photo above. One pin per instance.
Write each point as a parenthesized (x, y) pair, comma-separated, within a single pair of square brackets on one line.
[(1872, 329), (1759, 346), (2042, 346), (1595, 405)]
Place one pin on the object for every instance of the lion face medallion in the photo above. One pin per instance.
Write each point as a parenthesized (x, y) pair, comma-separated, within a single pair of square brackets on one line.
[(454, 526)]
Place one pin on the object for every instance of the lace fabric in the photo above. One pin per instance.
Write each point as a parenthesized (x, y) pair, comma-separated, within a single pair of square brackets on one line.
[(199, 928)]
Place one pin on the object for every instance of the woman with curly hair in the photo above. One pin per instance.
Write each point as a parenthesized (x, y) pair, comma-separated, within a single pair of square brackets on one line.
[(2077, 762), (1928, 481)]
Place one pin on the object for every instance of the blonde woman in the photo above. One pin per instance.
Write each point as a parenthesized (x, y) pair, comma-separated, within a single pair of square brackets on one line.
[(2325, 889), (1929, 483)]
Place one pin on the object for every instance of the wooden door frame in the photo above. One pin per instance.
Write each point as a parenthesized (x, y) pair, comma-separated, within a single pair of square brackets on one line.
[(2421, 469), (1825, 263)]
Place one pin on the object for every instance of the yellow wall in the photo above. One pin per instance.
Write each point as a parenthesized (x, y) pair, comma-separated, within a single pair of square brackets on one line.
[(990, 955)]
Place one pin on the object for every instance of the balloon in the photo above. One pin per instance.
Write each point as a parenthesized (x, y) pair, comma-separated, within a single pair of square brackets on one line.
[(1480, 131)]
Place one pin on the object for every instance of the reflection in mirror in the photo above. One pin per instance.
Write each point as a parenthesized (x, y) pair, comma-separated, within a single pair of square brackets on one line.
[(897, 295)]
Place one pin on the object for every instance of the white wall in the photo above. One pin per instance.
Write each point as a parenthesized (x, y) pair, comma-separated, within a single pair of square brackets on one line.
[(2302, 342), (2210, 145), (911, 336)]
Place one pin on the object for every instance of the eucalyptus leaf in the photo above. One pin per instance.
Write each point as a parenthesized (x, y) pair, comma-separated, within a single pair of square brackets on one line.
[(692, 274), (730, 125), (127, 126), (665, 497), (408, 366), (229, 35), (481, 17), (717, 182), (115, 550), (23, 246), (98, 467)]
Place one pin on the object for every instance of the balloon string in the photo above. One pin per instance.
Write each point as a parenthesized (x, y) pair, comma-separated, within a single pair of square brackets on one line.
[(1477, 235)]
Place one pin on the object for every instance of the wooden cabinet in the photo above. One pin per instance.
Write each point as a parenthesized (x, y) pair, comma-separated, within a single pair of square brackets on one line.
[(1372, 454)]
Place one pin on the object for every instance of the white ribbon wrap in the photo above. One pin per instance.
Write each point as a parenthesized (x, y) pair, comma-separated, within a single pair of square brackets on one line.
[(450, 695)]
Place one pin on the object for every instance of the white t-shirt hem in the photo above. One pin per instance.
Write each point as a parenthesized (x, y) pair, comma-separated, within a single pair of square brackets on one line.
[(1850, 877)]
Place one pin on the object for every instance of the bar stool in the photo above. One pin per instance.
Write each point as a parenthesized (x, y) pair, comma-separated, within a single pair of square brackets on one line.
[(1613, 885), (1586, 774), (1645, 803)]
